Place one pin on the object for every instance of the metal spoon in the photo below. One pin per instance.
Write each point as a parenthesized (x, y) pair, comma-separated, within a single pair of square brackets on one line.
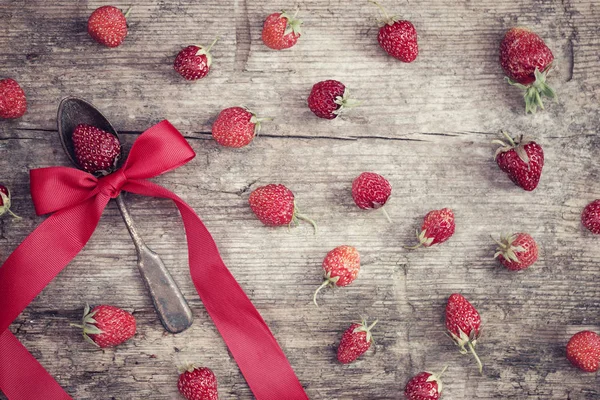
[(172, 308)]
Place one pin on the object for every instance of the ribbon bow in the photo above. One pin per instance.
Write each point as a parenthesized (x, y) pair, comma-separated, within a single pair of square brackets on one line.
[(77, 199)]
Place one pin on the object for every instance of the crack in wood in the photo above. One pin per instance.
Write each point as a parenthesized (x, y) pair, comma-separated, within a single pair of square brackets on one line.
[(571, 52), (246, 188), (567, 7), (242, 35)]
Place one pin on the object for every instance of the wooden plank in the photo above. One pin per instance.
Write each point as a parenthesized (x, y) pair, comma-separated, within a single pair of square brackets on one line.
[(455, 86), (528, 317)]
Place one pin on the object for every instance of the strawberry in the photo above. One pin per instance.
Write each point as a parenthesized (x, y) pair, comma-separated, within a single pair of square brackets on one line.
[(198, 383), (371, 190), (590, 217), (583, 350), (108, 26), (424, 386), (438, 226), (281, 30), (274, 205), (526, 60), (5, 202), (107, 326), (328, 99), (522, 160), (517, 251), (96, 151), (236, 127), (464, 325), (397, 37), (340, 268), (193, 62), (355, 342), (12, 99)]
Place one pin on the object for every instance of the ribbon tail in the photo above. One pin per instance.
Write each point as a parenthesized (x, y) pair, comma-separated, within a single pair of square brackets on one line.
[(24, 274), (22, 377), (255, 349)]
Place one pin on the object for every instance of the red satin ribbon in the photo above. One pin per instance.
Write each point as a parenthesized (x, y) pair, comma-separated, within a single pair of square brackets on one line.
[(77, 200)]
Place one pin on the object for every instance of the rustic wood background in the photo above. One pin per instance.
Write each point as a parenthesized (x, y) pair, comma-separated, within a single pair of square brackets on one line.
[(426, 126)]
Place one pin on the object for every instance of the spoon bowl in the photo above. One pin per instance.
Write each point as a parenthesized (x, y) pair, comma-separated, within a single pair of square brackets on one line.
[(73, 111)]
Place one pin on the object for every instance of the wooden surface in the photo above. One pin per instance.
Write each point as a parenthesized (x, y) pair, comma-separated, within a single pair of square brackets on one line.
[(426, 126)]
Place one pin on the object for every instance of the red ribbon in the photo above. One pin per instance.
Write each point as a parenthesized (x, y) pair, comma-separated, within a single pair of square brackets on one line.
[(77, 200)]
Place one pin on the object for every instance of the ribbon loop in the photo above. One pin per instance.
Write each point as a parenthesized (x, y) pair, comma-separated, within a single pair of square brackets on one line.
[(58, 188), (77, 200)]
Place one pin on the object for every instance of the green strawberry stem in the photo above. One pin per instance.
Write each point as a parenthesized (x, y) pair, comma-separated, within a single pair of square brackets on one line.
[(329, 281), (186, 368), (296, 216), (212, 44), (387, 18), (369, 335), (364, 328), (292, 25), (511, 141), (13, 214), (422, 240), (535, 91), (206, 51), (345, 102), (438, 379), (506, 249), (386, 214), (416, 246), (5, 207), (442, 372), (517, 145), (257, 121), (128, 11), (472, 350), (88, 325), (307, 219)]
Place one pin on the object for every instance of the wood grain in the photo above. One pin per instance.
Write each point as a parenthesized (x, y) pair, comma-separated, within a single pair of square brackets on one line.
[(426, 126)]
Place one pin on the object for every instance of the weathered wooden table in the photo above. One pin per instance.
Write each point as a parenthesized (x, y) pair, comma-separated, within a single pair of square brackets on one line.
[(426, 126)]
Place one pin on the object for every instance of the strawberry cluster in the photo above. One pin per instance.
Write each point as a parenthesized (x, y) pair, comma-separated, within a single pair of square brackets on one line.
[(526, 61)]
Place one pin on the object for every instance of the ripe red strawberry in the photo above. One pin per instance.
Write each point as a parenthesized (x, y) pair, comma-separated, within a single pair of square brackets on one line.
[(340, 268), (397, 37), (198, 383), (371, 190), (281, 31), (236, 127), (96, 151), (108, 26), (12, 99), (356, 340), (438, 226), (193, 62), (274, 205), (590, 217), (522, 160), (107, 326), (424, 386), (583, 350), (464, 325), (517, 251), (5, 202), (526, 60), (328, 99)]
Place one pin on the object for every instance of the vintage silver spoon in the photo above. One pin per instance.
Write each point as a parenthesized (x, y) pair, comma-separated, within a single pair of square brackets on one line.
[(172, 308)]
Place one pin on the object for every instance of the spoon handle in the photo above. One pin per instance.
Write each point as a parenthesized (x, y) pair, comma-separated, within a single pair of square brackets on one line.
[(172, 308)]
